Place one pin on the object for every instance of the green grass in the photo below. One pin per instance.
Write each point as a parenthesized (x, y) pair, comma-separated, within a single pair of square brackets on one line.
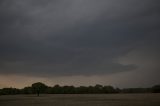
[(82, 100)]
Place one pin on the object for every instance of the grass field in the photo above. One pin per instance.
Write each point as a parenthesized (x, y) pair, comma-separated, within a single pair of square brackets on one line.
[(82, 100)]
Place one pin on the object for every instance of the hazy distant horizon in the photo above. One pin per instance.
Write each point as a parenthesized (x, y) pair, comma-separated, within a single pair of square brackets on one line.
[(80, 42), (78, 85)]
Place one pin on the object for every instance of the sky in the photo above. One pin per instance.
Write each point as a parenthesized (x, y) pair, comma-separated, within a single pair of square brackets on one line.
[(80, 42)]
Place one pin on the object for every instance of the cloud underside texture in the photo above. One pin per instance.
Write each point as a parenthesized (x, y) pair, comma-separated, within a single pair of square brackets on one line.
[(79, 37)]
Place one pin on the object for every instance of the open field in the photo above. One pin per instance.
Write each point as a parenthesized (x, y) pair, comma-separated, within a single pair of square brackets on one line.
[(81, 100)]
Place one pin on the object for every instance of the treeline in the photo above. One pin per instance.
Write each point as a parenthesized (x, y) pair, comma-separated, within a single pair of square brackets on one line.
[(40, 88)]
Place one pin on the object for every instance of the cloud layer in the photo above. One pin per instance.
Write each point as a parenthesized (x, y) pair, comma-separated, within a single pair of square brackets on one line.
[(46, 38)]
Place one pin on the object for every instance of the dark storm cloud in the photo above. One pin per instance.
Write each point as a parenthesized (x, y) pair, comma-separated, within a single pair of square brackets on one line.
[(74, 37)]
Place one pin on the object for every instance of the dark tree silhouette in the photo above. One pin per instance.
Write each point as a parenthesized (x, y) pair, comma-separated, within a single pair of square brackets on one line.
[(39, 88), (27, 90), (9, 91), (156, 89)]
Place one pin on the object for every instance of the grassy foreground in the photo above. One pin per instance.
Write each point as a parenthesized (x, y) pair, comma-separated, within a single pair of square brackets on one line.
[(81, 100)]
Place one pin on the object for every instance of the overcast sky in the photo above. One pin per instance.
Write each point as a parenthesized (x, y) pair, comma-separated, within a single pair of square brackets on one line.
[(80, 42)]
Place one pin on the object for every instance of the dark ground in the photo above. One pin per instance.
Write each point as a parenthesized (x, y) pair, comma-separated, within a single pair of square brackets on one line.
[(81, 100)]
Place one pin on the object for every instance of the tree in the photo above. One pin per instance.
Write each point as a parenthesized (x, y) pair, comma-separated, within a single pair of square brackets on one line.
[(57, 89), (109, 89), (27, 90), (156, 89), (98, 88), (9, 91), (39, 88)]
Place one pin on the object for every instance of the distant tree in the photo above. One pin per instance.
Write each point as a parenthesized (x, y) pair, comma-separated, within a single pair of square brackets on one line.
[(82, 90), (49, 90), (91, 89), (68, 89), (136, 90), (109, 89), (9, 91), (56, 89), (0, 92), (156, 89), (27, 90), (39, 88), (98, 88)]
